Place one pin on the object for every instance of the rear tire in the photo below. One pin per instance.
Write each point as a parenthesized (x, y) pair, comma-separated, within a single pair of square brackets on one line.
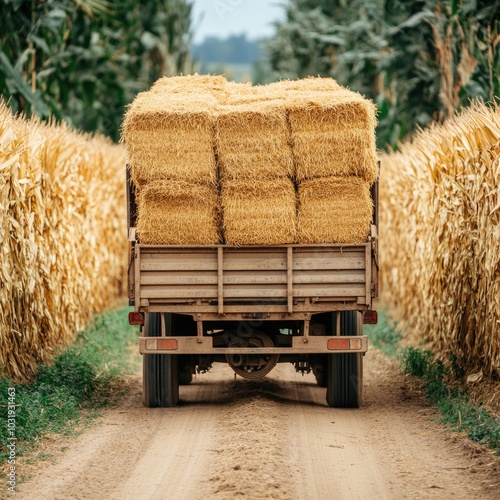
[(345, 371), (160, 371)]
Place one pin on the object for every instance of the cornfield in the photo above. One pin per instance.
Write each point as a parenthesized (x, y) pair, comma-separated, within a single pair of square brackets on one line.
[(62, 237), (440, 237)]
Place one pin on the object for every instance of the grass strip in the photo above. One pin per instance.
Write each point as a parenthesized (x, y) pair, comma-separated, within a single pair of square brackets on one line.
[(439, 381), (69, 393)]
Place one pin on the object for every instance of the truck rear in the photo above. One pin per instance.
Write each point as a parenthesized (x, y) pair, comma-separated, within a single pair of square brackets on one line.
[(253, 231), (253, 307)]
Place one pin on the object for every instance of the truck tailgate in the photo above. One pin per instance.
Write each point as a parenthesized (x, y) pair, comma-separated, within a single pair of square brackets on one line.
[(221, 280)]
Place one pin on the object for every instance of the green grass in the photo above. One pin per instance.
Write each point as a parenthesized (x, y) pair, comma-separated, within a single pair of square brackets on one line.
[(384, 335), (439, 381), (66, 395)]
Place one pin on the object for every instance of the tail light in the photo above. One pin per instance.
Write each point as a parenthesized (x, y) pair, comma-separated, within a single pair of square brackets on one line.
[(135, 318), (370, 318)]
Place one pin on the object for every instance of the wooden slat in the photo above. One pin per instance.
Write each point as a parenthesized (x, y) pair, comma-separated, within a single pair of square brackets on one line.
[(340, 262), (235, 262), (174, 264), (333, 292), (255, 291), (177, 278), (253, 277), (220, 280), (289, 279), (329, 277), (152, 292)]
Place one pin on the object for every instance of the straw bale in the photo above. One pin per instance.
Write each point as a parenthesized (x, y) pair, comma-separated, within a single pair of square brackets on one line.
[(252, 141), (262, 212), (440, 219), (210, 85), (62, 237), (206, 85), (334, 210), (170, 136), (306, 85), (178, 213), (333, 134)]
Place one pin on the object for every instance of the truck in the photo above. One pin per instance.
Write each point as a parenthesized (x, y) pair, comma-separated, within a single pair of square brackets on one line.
[(252, 307)]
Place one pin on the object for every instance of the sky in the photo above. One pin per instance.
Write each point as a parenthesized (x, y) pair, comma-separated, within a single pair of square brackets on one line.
[(227, 17)]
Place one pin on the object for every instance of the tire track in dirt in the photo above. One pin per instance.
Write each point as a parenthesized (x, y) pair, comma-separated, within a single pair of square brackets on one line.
[(273, 438)]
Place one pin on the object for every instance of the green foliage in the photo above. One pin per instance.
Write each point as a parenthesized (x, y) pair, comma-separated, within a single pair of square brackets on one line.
[(384, 335), (84, 61), (419, 61), (416, 362), (456, 410), (80, 378)]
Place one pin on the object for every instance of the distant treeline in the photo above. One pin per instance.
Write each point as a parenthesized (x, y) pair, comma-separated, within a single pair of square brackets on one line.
[(235, 49)]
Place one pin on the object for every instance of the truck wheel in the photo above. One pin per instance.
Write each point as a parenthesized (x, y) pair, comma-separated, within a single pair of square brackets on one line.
[(160, 383), (345, 371)]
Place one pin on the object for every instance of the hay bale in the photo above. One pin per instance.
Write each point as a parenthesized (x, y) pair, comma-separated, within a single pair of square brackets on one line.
[(333, 134), (252, 141), (334, 210), (208, 85), (178, 213), (261, 212), (170, 136), (306, 85)]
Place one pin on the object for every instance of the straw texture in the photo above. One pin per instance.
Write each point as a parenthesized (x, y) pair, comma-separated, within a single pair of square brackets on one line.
[(62, 237), (333, 135), (252, 141), (259, 212), (306, 85), (170, 135), (440, 235), (178, 213), (334, 209)]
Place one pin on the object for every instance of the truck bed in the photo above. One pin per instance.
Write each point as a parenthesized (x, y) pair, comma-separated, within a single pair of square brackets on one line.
[(272, 282)]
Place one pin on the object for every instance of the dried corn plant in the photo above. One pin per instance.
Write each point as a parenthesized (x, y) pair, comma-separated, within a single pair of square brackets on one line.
[(440, 236), (62, 237)]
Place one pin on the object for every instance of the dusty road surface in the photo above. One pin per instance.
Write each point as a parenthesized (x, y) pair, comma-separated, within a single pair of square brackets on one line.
[(274, 438)]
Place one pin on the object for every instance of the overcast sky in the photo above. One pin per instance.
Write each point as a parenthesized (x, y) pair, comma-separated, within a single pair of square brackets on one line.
[(227, 17)]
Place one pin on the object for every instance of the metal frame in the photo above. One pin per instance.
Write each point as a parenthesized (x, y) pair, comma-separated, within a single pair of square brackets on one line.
[(300, 345)]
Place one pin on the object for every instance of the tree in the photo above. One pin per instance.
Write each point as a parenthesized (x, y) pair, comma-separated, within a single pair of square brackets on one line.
[(419, 61), (83, 61)]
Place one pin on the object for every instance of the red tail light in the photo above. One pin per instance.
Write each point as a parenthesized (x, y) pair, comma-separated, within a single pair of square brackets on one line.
[(165, 344), (135, 318), (339, 344), (370, 318)]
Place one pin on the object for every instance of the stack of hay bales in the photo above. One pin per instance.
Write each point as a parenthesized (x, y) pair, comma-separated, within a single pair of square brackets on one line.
[(256, 168), (169, 134), (258, 146), (333, 137)]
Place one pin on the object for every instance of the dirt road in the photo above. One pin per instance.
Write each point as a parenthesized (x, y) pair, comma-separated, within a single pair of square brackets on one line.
[(270, 439)]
